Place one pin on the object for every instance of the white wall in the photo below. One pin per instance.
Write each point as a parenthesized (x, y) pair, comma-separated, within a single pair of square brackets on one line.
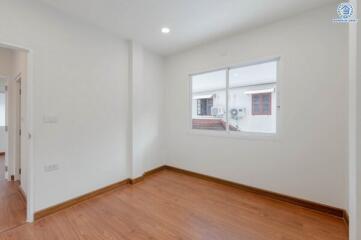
[(6, 62), (358, 221), (147, 90), (81, 78), (309, 158), (354, 191), (151, 113)]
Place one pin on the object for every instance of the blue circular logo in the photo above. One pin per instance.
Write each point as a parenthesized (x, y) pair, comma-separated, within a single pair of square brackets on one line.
[(345, 10)]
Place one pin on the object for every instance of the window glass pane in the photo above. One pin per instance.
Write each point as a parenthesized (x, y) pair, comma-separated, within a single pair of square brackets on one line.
[(252, 98), (266, 104), (209, 101)]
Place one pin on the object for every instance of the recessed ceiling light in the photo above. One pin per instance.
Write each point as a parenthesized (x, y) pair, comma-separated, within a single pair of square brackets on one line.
[(165, 30)]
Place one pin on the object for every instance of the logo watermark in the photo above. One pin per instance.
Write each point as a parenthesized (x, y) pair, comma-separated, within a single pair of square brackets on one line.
[(345, 12)]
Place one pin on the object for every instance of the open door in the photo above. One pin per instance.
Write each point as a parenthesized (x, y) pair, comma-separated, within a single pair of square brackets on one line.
[(16, 125)]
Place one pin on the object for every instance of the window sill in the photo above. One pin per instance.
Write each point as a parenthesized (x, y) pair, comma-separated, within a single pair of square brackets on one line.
[(239, 135)]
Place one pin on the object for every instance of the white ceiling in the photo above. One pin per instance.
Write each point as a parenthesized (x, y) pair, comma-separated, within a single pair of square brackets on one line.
[(192, 22)]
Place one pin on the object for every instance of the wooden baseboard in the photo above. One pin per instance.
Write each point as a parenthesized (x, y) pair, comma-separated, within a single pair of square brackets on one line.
[(155, 170), (346, 217), (147, 174), (136, 180), (77, 200), (340, 213)]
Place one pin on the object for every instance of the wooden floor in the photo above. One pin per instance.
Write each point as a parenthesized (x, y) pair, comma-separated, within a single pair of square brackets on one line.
[(12, 204), (168, 205)]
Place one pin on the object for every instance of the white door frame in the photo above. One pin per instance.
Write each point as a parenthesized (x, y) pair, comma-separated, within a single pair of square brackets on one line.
[(17, 139), (30, 208)]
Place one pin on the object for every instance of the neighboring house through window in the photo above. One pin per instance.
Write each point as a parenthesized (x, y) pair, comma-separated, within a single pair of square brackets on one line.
[(204, 106), (236, 99), (262, 104)]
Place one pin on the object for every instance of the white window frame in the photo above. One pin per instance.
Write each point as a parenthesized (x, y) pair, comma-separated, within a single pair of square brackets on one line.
[(227, 132)]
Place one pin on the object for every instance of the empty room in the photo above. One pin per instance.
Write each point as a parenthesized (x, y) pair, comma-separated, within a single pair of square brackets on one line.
[(180, 119)]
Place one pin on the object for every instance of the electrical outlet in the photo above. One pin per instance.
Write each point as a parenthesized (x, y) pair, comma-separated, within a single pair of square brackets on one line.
[(50, 119), (51, 167)]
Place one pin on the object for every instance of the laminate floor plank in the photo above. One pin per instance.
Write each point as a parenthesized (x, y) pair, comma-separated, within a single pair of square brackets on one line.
[(12, 203), (170, 205)]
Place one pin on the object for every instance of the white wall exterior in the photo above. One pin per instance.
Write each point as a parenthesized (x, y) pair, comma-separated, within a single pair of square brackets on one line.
[(253, 123), (308, 160), (239, 99)]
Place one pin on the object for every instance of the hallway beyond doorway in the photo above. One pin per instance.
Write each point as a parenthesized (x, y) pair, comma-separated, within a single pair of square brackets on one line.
[(12, 202)]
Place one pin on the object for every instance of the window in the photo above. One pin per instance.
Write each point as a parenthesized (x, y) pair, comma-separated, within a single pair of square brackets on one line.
[(204, 106), (261, 104), (242, 99), (209, 101)]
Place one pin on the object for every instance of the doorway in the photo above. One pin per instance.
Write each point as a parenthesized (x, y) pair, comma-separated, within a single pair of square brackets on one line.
[(14, 158)]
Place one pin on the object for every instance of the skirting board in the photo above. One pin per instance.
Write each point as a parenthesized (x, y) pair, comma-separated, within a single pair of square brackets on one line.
[(77, 200), (296, 201), (340, 213), (146, 174), (346, 218)]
